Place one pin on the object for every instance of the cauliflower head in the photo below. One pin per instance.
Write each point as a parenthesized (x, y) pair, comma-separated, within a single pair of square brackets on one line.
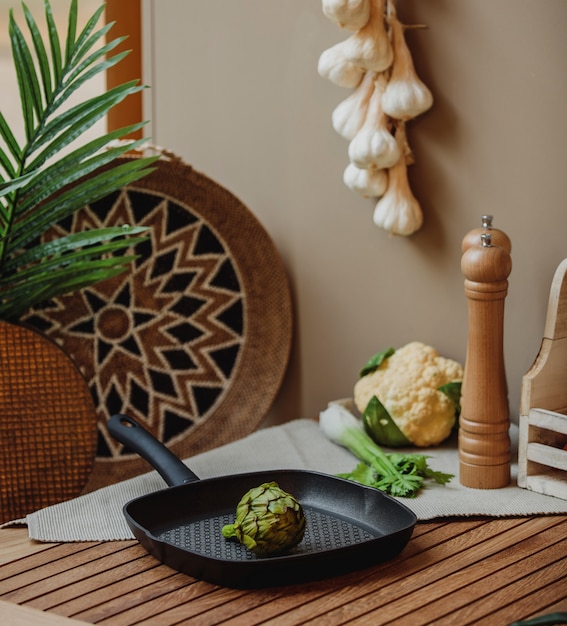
[(406, 384)]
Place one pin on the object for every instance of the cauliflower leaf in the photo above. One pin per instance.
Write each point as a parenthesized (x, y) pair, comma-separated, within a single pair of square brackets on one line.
[(375, 362), (453, 392), (381, 427)]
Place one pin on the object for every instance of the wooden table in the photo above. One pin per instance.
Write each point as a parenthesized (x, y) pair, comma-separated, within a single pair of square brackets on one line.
[(454, 572)]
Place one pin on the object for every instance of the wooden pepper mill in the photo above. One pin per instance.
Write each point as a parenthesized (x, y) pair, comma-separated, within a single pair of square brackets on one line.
[(484, 441)]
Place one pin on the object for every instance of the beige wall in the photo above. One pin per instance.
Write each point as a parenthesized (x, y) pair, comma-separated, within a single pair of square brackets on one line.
[(9, 93), (235, 91)]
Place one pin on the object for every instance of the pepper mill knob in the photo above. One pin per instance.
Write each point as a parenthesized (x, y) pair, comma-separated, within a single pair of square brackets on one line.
[(499, 237), (484, 441)]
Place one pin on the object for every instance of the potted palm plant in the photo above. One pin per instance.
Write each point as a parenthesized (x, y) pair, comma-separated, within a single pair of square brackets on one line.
[(44, 179), (50, 175)]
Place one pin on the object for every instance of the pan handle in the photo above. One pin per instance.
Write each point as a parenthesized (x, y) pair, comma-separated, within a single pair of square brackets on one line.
[(128, 431)]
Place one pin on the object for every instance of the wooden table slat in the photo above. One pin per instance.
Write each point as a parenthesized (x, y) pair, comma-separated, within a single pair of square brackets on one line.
[(69, 579), (555, 605), (184, 595), (81, 588), (354, 587), (138, 584), (214, 610), (515, 601), (245, 607), (108, 610), (453, 572), (258, 605), (118, 609), (493, 574), (49, 553), (405, 576), (66, 571)]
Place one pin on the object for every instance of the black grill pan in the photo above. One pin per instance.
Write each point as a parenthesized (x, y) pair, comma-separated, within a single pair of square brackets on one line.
[(349, 526)]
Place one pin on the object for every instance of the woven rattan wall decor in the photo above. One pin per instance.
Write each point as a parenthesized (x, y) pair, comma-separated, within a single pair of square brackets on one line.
[(47, 424), (195, 341)]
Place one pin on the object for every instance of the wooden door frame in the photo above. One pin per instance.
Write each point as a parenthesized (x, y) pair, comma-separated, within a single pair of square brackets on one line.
[(128, 22)]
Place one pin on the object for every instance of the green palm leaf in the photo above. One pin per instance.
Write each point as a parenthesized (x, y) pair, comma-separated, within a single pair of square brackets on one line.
[(83, 38), (9, 186), (68, 127), (41, 54), (71, 168), (80, 76), (47, 178), (58, 207), (72, 242), (54, 44), (28, 295), (60, 266), (10, 141), (71, 31), (25, 75)]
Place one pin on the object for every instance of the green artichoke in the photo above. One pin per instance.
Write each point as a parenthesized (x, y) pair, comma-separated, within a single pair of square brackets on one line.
[(268, 521)]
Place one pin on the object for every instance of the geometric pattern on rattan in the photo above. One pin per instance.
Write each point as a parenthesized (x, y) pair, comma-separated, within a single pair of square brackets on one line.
[(194, 340), (163, 339)]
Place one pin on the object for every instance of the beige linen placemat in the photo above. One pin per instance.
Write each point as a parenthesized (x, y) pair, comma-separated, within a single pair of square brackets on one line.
[(298, 444)]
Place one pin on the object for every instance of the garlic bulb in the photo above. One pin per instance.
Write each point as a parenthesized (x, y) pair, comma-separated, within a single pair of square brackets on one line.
[(348, 117), (406, 96), (349, 14), (398, 212), (334, 66), (370, 47), (376, 63), (374, 144), (369, 183)]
